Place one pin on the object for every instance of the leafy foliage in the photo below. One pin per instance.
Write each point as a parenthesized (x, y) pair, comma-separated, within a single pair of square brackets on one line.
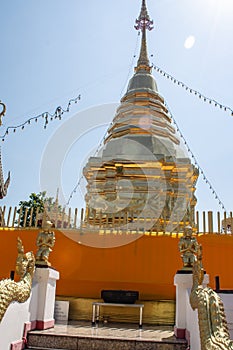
[(36, 204)]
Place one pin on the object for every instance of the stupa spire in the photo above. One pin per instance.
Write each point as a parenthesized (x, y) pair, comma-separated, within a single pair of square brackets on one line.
[(143, 23)]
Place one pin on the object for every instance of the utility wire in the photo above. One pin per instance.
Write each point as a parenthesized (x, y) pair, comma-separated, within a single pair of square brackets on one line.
[(197, 93), (195, 160), (59, 111)]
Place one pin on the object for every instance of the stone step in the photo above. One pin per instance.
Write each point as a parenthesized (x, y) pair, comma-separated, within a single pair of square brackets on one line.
[(81, 343), (110, 337), (36, 348)]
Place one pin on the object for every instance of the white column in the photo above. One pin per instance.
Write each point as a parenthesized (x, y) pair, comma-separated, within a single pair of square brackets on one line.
[(46, 279), (183, 283)]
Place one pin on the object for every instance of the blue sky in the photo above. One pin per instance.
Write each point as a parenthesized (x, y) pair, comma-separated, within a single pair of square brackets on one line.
[(54, 50)]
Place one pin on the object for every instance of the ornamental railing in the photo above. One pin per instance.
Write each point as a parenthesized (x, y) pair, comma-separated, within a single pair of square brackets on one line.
[(74, 219)]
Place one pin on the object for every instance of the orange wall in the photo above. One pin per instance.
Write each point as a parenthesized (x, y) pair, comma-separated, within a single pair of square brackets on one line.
[(147, 264)]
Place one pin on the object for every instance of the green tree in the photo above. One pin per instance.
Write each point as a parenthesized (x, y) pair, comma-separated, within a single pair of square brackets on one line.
[(36, 203)]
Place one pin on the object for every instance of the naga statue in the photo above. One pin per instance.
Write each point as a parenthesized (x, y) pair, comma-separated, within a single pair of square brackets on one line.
[(213, 327), (3, 184), (3, 111), (18, 291)]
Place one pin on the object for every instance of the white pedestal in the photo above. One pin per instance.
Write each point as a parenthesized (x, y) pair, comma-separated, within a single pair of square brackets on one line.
[(183, 283), (46, 279)]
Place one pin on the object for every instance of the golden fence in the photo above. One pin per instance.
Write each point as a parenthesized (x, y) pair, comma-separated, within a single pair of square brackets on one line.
[(205, 222)]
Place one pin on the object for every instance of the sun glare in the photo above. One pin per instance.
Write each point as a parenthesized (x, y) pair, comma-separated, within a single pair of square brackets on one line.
[(189, 42)]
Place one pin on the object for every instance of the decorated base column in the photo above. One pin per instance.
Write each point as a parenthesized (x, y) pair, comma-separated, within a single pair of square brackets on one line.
[(46, 279), (183, 282)]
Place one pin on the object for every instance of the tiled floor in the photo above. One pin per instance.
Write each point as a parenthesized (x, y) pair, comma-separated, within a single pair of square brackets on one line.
[(113, 331)]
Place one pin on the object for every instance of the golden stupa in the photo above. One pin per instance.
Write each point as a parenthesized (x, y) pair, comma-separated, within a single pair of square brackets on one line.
[(142, 177), (142, 171)]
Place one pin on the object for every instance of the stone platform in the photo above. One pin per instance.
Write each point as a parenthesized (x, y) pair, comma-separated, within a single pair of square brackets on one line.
[(109, 336)]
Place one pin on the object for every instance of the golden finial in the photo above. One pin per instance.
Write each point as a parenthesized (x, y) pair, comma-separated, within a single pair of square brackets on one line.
[(57, 196), (144, 14), (143, 23), (2, 113)]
